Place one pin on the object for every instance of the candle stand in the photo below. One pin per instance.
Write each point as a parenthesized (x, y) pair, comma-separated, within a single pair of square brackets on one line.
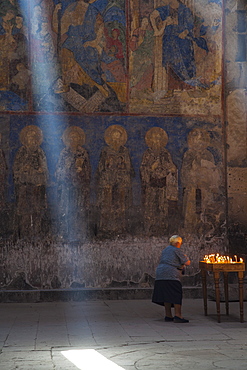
[(216, 268)]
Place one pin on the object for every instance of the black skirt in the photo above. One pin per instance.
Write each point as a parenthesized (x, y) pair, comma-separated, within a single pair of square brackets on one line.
[(169, 291)]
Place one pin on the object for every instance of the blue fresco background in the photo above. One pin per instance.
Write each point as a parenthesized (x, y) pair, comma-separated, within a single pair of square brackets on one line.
[(94, 127)]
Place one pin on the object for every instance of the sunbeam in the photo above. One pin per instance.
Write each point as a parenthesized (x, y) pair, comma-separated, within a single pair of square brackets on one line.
[(42, 50)]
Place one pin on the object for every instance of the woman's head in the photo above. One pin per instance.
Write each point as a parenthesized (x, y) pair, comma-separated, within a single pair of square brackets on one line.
[(175, 239)]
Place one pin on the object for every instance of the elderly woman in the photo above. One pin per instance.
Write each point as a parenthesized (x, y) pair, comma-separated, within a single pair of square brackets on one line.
[(168, 287)]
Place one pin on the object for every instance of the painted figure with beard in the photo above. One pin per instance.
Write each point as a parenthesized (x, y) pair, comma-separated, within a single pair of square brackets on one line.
[(201, 182), (30, 178), (73, 175), (114, 175), (159, 182)]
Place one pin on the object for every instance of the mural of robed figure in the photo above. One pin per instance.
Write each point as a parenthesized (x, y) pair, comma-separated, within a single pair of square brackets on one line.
[(159, 182), (201, 181), (30, 179), (73, 174), (176, 29), (114, 182), (83, 50)]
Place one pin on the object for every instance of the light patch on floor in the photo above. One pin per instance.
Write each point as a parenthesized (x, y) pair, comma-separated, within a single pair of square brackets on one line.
[(89, 359)]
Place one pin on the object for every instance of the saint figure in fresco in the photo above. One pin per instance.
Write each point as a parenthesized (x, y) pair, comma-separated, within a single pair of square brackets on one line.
[(159, 182), (73, 174), (174, 22), (201, 181), (30, 179), (142, 47), (114, 182)]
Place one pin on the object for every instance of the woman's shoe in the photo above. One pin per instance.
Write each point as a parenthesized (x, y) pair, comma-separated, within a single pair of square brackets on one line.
[(167, 318), (178, 320)]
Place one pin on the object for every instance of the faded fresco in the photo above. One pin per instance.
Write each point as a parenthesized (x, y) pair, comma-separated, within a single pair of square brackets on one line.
[(101, 178), (72, 175), (202, 184), (175, 59), (30, 175), (146, 56), (159, 182), (91, 52), (140, 145), (114, 175), (15, 74)]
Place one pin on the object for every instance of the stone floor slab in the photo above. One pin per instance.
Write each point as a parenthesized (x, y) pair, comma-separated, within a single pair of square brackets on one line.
[(129, 334)]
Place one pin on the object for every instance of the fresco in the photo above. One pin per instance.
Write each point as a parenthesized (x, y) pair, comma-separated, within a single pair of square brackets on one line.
[(30, 175), (180, 42), (15, 74), (104, 56), (113, 177), (73, 173), (168, 170), (201, 180), (159, 182), (102, 177)]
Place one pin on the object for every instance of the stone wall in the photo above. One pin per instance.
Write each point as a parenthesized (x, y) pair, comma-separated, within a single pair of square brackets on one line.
[(236, 119), (118, 263), (101, 163)]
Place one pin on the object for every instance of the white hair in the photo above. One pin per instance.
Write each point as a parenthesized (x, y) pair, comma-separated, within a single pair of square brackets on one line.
[(174, 239)]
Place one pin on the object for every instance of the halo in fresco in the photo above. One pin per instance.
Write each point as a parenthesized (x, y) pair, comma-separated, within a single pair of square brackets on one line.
[(24, 133), (154, 135), (110, 135), (75, 130)]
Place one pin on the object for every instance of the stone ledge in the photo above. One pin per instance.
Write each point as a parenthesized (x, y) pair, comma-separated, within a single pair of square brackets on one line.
[(85, 294), (233, 293)]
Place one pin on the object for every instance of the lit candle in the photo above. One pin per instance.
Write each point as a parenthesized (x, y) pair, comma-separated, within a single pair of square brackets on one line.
[(241, 260)]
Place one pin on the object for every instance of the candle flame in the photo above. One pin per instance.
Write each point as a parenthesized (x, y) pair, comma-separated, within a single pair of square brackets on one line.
[(216, 258)]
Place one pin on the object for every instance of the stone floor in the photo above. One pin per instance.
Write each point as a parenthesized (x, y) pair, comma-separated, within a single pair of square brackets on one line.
[(119, 335)]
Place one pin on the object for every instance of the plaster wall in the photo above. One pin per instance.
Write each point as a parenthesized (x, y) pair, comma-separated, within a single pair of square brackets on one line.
[(117, 227)]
